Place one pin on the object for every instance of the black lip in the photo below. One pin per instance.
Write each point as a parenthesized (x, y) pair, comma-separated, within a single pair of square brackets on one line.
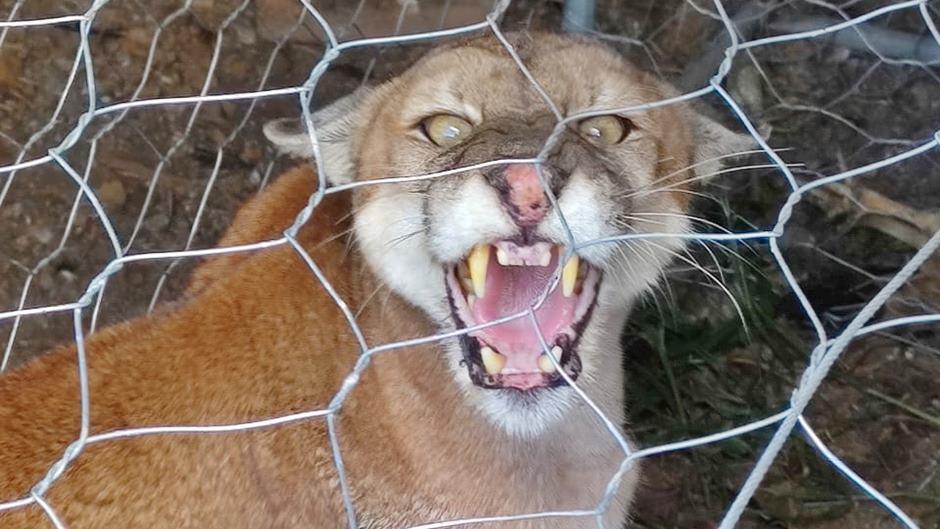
[(570, 359)]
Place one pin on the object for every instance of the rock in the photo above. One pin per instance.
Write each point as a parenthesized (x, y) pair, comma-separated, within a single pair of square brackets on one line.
[(11, 71), (112, 194), (66, 274), (246, 35), (136, 42), (42, 234), (250, 154), (747, 88), (158, 222), (276, 18)]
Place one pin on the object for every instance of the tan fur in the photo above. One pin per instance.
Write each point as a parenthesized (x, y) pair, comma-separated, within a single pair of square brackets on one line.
[(258, 337), (288, 352)]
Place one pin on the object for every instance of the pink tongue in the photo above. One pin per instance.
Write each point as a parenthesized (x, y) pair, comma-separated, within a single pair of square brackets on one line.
[(512, 289)]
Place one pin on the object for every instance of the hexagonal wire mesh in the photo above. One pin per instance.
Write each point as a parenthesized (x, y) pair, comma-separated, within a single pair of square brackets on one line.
[(93, 104)]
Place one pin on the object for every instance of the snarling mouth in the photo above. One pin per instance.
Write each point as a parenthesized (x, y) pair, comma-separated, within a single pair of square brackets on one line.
[(503, 279)]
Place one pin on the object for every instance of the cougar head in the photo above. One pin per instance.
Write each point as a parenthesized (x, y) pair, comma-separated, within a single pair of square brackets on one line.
[(479, 245)]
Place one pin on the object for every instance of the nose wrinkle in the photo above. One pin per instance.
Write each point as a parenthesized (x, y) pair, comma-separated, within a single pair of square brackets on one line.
[(526, 197)]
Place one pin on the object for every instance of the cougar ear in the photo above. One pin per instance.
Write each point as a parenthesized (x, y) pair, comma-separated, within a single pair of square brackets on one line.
[(335, 126), (714, 145)]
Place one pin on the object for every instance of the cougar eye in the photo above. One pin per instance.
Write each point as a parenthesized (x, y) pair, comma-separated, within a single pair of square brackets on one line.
[(605, 130), (446, 130)]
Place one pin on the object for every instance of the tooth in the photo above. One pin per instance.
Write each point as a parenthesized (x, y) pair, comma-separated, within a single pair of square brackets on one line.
[(467, 284), (471, 301), (569, 275), (546, 258), (546, 364), (493, 362), (556, 352), (477, 262), (502, 257)]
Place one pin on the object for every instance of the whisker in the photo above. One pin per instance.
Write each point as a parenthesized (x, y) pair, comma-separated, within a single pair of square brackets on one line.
[(356, 210), (391, 243), (663, 288), (333, 237), (369, 298), (709, 275), (718, 227), (643, 189), (693, 218), (704, 196), (666, 286), (727, 249), (718, 267), (709, 160), (621, 221)]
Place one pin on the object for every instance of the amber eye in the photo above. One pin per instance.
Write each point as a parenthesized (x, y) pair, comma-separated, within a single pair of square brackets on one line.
[(446, 130), (605, 130)]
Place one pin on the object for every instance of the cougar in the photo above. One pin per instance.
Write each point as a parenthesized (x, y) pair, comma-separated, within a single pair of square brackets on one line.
[(486, 421)]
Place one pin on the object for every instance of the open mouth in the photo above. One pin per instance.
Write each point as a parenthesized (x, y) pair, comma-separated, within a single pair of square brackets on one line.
[(502, 279)]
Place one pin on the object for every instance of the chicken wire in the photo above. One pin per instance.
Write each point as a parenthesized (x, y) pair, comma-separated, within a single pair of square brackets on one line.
[(827, 350)]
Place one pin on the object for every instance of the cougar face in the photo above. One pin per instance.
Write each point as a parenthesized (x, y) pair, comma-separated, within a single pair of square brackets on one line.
[(477, 246)]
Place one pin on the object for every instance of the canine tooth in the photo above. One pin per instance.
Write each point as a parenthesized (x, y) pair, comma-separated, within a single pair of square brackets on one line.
[(502, 257), (569, 275), (546, 364), (467, 284), (493, 362), (471, 301), (477, 262), (556, 352)]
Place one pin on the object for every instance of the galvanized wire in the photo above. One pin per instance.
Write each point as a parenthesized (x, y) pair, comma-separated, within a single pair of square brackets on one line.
[(823, 355)]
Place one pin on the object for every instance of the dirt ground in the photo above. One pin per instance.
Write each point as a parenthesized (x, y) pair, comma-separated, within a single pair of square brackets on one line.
[(170, 177)]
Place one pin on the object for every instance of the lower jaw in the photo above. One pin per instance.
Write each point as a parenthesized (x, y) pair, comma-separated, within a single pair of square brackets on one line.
[(570, 361), (524, 382)]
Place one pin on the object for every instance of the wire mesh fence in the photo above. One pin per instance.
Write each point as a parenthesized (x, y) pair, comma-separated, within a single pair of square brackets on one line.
[(92, 117)]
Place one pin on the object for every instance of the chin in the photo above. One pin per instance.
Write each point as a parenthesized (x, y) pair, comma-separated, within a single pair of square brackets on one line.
[(523, 414), (526, 414)]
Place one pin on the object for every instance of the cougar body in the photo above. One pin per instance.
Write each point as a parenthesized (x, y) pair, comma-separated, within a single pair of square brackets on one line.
[(429, 432)]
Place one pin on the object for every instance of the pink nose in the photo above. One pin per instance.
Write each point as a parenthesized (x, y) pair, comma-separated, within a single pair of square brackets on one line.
[(526, 200)]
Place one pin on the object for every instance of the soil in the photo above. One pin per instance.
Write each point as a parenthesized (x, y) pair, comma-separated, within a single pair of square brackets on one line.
[(171, 177)]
